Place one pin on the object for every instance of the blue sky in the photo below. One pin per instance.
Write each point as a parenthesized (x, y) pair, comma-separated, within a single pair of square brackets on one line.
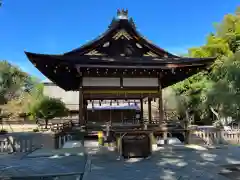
[(57, 26)]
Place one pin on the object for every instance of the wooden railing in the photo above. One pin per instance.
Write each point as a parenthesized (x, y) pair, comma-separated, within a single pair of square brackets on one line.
[(56, 127)]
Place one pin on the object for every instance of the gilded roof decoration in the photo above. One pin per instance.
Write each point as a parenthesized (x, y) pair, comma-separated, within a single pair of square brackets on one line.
[(139, 45), (122, 34), (106, 44), (150, 54), (94, 53)]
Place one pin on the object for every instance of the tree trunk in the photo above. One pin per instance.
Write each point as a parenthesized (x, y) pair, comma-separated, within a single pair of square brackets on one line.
[(46, 123)]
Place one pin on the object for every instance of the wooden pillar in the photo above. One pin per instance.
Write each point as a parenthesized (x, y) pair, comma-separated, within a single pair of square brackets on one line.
[(81, 106), (141, 112), (160, 107), (160, 102), (149, 110), (160, 110), (80, 98), (85, 104)]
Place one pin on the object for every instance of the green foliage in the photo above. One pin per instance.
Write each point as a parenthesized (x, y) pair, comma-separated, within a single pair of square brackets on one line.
[(18, 90), (13, 82), (48, 108), (225, 93), (219, 88)]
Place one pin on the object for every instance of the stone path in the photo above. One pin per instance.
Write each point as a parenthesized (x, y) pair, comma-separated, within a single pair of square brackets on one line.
[(63, 163), (169, 165)]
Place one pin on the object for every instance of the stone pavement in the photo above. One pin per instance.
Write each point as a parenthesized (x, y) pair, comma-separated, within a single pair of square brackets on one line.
[(66, 164), (174, 164), (166, 164)]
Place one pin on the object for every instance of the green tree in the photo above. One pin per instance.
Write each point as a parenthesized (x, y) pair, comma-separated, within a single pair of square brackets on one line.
[(13, 82), (224, 95), (198, 91), (18, 91), (48, 108)]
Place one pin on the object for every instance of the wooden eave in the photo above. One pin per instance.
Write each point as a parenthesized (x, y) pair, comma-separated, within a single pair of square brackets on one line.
[(141, 62)]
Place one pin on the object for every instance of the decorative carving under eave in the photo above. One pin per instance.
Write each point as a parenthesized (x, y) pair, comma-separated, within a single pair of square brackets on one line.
[(151, 54), (122, 34), (94, 53)]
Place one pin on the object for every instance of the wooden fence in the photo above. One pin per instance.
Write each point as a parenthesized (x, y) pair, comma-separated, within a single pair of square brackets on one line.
[(215, 136), (27, 142)]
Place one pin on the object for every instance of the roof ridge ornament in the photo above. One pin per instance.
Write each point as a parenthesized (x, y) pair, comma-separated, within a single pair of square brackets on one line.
[(122, 14)]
